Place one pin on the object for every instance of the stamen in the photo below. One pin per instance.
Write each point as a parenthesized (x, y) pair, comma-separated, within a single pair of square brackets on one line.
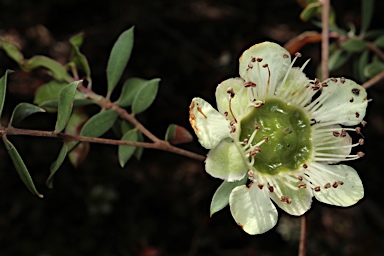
[(231, 96)]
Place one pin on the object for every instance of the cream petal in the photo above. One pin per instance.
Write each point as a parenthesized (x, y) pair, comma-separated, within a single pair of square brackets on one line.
[(252, 209), (278, 60), (209, 125), (346, 103), (239, 101), (294, 87), (295, 201), (226, 162), (348, 193)]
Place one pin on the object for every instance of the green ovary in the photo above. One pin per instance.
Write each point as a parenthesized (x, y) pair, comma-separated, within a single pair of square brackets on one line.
[(289, 136)]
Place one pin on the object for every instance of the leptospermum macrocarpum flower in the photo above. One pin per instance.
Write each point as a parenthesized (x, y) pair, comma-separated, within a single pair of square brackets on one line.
[(278, 135)]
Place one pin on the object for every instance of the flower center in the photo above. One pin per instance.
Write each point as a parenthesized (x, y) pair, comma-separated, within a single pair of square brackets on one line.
[(287, 132)]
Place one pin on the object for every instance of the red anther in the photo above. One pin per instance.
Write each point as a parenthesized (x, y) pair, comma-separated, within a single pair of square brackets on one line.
[(317, 189)]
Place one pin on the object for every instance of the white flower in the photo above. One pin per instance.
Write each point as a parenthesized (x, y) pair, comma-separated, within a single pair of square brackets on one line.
[(278, 135)]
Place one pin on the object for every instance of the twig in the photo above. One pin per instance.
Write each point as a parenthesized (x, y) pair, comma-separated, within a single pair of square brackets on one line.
[(325, 39), (375, 49), (303, 236), (374, 80)]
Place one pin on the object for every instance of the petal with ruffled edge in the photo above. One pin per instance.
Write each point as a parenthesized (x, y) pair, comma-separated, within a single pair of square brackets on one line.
[(209, 125), (300, 199), (345, 103), (252, 209), (276, 57), (226, 162), (239, 101), (346, 187)]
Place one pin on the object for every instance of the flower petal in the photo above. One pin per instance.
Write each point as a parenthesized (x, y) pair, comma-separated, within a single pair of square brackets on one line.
[(239, 101), (252, 209), (294, 86), (252, 66), (209, 125), (347, 194), (346, 103), (300, 199), (226, 162)]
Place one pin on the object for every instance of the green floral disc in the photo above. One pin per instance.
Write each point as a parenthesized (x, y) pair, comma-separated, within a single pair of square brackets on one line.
[(288, 131)]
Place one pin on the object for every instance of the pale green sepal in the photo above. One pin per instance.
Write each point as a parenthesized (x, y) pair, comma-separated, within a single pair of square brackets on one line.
[(209, 125), (221, 197), (346, 104), (238, 103), (226, 162), (344, 195), (252, 209), (301, 198), (277, 58)]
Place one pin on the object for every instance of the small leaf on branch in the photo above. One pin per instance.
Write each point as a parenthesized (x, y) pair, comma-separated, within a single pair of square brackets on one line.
[(118, 59), (99, 124), (12, 51), (21, 168), (58, 71), (373, 69), (337, 59), (145, 96), (177, 134), (362, 63), (130, 88), (353, 45), (379, 42), (309, 11), (126, 152), (3, 89), (23, 110), (139, 150), (367, 11), (56, 165), (76, 41), (64, 110)]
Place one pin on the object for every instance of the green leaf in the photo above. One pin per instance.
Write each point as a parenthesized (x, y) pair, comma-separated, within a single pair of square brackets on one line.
[(99, 124), (353, 45), (54, 104), (379, 41), (126, 152), (23, 110), (374, 33), (3, 89), (12, 51), (145, 96), (77, 40), (64, 110), (130, 88), (21, 168), (126, 126), (337, 59), (118, 59), (309, 11), (362, 63), (77, 57), (56, 165), (48, 91), (139, 150), (221, 197), (177, 134), (373, 69), (58, 71), (367, 11)]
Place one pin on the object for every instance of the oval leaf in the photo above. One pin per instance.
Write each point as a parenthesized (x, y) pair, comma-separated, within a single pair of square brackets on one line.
[(64, 109), (118, 59), (367, 10), (58, 71), (177, 134), (379, 41), (126, 152), (337, 59), (21, 168), (56, 165), (221, 197), (309, 11), (353, 45), (139, 150), (12, 51), (77, 57), (99, 124), (3, 89), (145, 96), (23, 110), (373, 69), (130, 88), (362, 63)]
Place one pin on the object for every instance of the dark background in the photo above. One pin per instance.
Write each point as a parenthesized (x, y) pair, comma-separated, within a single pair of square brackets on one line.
[(160, 205)]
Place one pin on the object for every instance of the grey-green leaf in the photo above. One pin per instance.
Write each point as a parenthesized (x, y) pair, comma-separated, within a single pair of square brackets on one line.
[(139, 150), (126, 152), (64, 110), (221, 197), (145, 96), (12, 51), (99, 124), (56, 165), (373, 69), (21, 168), (362, 63), (379, 41), (58, 71), (118, 59), (353, 45), (23, 110), (79, 58), (337, 59), (3, 89), (309, 11), (367, 11), (130, 88)]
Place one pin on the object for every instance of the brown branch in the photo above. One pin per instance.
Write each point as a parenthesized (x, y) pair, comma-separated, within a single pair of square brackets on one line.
[(325, 39), (303, 235), (375, 49), (160, 145), (377, 78)]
